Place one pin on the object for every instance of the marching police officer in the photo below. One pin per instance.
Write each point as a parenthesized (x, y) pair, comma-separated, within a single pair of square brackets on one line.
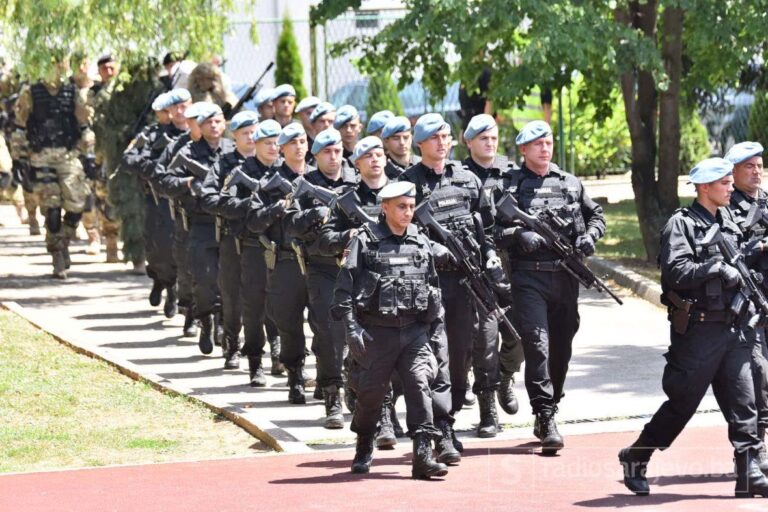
[(454, 194), (284, 102), (229, 229), (377, 121), (547, 317), (388, 297), (348, 123), (747, 160), (397, 139), (303, 222), (707, 344), (304, 109), (264, 105), (184, 183), (482, 139)]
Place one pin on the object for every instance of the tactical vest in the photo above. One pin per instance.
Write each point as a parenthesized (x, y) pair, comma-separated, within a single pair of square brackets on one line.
[(52, 122), (554, 194), (395, 282)]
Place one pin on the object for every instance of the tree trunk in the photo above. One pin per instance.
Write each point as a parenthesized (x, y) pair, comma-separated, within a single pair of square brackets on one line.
[(669, 110)]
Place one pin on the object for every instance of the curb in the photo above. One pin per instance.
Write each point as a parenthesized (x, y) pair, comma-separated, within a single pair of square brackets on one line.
[(641, 286), (264, 430)]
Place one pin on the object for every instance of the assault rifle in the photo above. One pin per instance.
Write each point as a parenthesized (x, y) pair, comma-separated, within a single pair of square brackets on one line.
[(323, 195), (252, 90), (352, 209), (271, 183), (751, 281), (474, 279), (545, 224)]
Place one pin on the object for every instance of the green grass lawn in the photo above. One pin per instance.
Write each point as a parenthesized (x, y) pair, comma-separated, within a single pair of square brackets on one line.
[(61, 409)]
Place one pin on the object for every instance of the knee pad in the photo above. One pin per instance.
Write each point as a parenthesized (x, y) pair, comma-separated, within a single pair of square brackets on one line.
[(53, 220), (72, 219)]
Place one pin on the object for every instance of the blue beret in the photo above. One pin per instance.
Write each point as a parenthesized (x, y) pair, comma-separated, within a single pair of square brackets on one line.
[(364, 145), (193, 110), (243, 119), (283, 90), (264, 96), (325, 138), (290, 132), (206, 111), (743, 151), (428, 125), (532, 131), (478, 125), (161, 102), (397, 189), (266, 128), (321, 109), (709, 170), (394, 126), (176, 96), (345, 114), (378, 120), (307, 103)]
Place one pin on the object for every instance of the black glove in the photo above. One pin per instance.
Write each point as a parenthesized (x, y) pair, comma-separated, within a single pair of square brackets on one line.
[(442, 255), (317, 215), (89, 166), (530, 241), (356, 339), (276, 209), (586, 244), (729, 275), (196, 187)]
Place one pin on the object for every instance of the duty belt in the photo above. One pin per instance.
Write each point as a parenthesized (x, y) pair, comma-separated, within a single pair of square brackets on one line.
[(700, 315), (389, 321), (323, 260), (539, 266), (283, 254), (200, 218)]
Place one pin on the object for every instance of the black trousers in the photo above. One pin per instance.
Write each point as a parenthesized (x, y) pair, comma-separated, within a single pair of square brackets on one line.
[(328, 343), (511, 355), (253, 282), (286, 300), (442, 399), (709, 353), (407, 351), (760, 374), (547, 319), (485, 355), (183, 272), (203, 262), (229, 283), (158, 241)]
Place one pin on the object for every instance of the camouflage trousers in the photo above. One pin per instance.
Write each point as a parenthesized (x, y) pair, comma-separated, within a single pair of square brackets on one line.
[(60, 183), (98, 213)]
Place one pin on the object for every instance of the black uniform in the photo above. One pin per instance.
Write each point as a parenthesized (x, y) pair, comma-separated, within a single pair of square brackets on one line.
[(388, 284), (393, 170), (303, 223), (547, 317), (741, 204), (202, 247), (455, 197), (711, 350), (286, 296), (141, 158)]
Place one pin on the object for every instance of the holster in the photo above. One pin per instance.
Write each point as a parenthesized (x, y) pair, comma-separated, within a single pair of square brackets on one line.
[(184, 220), (270, 252), (299, 256), (679, 312), (218, 229)]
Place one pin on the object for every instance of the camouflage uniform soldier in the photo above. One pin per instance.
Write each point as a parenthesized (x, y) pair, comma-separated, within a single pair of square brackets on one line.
[(52, 114), (98, 219)]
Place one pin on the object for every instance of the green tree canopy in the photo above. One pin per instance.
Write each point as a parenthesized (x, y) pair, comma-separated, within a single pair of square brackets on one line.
[(382, 95), (657, 51), (288, 61)]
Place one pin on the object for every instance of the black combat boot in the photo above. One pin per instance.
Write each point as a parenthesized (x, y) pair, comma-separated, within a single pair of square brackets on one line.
[(507, 398), (205, 342), (190, 325), (59, 266), (218, 330), (170, 308), (750, 481), (334, 417), (156, 294), (296, 386), (634, 460), (396, 427), (385, 438), (274, 354), (232, 354), (424, 466), (551, 440), (363, 454), (256, 372), (489, 418), (446, 451), (762, 454)]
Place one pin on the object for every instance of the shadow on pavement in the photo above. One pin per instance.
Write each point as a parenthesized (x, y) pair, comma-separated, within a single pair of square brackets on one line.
[(626, 500)]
